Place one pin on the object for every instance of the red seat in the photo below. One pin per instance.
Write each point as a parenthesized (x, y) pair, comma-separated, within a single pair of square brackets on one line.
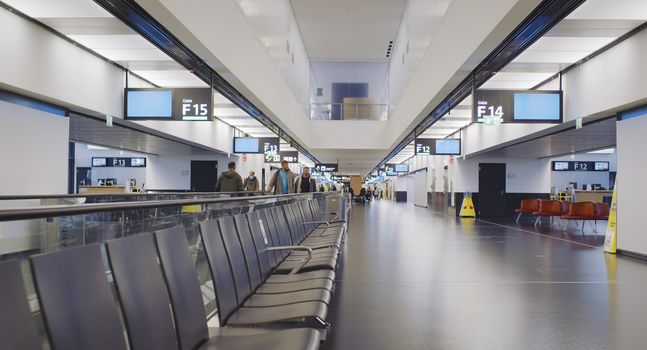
[(528, 206), (585, 211), (602, 211), (548, 209)]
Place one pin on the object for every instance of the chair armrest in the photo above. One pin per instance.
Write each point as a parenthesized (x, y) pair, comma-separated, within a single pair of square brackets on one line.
[(293, 247)]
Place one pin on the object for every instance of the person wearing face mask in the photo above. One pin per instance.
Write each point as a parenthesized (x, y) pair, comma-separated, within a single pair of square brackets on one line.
[(251, 182), (305, 182), (283, 180)]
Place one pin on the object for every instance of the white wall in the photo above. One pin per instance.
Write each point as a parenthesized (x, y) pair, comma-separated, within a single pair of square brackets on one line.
[(608, 82), (34, 155), (214, 134), (522, 175), (478, 137), (42, 64), (632, 168)]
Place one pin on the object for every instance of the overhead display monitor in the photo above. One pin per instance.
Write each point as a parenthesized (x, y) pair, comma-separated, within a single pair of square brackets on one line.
[(448, 147), (517, 106), (169, 104), (560, 166), (402, 168), (151, 104), (537, 107), (438, 146), (138, 162), (246, 145), (601, 166)]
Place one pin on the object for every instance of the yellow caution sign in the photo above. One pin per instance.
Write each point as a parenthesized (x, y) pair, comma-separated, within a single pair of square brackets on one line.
[(196, 208), (467, 208), (610, 239)]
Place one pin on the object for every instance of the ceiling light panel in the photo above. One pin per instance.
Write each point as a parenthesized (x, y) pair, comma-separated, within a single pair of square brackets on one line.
[(611, 10), (58, 8)]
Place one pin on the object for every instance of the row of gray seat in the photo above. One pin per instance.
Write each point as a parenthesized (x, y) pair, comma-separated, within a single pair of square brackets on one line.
[(272, 269)]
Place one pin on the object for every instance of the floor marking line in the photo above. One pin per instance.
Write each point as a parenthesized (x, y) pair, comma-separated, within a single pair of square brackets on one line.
[(539, 234)]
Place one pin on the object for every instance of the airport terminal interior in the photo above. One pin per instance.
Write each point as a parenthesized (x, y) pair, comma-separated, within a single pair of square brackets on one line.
[(339, 174)]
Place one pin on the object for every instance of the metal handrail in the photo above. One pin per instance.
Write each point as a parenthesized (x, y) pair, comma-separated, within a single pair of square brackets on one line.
[(69, 210), (384, 107), (127, 194)]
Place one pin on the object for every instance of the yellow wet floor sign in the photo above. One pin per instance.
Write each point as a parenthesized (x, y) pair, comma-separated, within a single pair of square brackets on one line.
[(610, 239), (467, 208)]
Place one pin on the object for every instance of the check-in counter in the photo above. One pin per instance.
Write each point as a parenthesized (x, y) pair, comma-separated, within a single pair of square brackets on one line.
[(102, 189), (592, 196)]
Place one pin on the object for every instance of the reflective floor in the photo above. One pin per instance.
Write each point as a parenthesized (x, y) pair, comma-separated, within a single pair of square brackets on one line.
[(412, 279)]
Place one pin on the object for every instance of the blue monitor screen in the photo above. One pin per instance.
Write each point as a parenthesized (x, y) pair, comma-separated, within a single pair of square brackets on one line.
[(402, 168), (448, 147), (537, 106), (149, 104), (246, 145)]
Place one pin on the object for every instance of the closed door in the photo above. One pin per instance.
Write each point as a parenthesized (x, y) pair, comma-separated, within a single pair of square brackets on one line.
[(491, 196), (204, 175)]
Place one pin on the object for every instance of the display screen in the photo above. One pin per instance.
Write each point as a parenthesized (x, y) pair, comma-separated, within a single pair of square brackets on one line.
[(246, 145), (138, 162), (402, 168), (601, 166), (448, 147), (560, 166), (98, 162), (537, 106), (149, 104)]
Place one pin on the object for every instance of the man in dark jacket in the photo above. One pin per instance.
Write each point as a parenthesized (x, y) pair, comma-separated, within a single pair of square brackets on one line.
[(230, 180), (305, 182)]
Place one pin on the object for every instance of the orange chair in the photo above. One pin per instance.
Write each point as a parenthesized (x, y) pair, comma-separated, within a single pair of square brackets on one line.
[(585, 211), (602, 211), (550, 208), (528, 206)]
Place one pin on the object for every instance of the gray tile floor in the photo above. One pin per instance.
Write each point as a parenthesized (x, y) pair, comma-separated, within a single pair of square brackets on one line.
[(412, 279)]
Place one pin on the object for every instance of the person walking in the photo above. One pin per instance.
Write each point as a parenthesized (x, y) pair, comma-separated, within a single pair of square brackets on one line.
[(251, 182), (305, 182), (283, 180), (230, 180)]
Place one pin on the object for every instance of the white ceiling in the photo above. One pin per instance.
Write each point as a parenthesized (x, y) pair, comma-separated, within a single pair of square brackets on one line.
[(348, 30)]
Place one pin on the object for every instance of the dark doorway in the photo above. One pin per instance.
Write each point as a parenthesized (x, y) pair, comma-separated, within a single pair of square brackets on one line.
[(83, 177), (342, 90), (204, 174), (491, 190)]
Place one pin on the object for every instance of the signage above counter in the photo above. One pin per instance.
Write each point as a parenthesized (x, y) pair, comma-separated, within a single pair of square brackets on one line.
[(169, 104), (269, 146), (493, 107), (579, 166), (119, 162)]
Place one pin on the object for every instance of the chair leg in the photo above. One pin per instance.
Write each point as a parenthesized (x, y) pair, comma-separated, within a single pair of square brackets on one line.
[(538, 221), (565, 225), (583, 221), (519, 217)]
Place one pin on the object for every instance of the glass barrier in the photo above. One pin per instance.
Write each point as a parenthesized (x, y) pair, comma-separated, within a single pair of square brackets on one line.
[(349, 111), (47, 230)]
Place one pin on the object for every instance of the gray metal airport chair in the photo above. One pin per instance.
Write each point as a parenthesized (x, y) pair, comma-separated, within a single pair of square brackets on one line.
[(264, 294), (17, 325), (230, 296), (267, 261), (145, 301), (142, 293), (76, 300)]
